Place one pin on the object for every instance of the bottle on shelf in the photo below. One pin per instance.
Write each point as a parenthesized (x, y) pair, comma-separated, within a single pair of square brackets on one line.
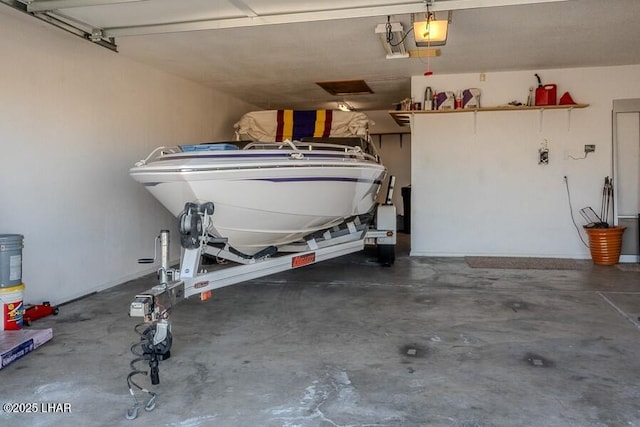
[(428, 98)]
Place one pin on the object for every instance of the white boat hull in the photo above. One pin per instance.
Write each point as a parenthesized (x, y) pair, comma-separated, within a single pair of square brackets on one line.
[(259, 204)]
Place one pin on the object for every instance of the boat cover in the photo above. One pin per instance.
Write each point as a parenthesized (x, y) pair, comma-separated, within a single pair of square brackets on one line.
[(281, 125)]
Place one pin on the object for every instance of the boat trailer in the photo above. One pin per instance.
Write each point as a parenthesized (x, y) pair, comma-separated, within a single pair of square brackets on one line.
[(155, 304)]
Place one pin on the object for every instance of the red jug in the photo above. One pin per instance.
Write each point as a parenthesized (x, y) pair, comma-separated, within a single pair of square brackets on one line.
[(546, 95)]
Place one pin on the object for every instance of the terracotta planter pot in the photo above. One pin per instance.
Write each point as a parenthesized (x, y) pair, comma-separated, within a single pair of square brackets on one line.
[(605, 244)]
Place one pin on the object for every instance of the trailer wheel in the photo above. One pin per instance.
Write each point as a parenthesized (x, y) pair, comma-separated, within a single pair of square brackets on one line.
[(386, 255)]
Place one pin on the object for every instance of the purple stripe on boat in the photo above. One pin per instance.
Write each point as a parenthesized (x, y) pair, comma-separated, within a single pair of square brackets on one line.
[(300, 179), (319, 178)]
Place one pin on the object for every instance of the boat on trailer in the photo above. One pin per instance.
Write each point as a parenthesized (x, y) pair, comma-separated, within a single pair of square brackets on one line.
[(260, 195), (267, 206)]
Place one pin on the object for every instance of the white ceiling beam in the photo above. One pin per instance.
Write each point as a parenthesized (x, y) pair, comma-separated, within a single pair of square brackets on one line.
[(439, 5), (320, 15), (47, 5)]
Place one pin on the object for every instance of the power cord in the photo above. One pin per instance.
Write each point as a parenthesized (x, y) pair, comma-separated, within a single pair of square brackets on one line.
[(146, 350), (566, 182), (138, 350), (389, 34), (578, 158)]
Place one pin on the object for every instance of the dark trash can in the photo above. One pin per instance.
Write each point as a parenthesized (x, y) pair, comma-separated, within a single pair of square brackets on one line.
[(406, 205)]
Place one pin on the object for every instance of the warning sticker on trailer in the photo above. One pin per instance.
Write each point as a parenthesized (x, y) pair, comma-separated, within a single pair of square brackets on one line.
[(199, 285), (302, 260)]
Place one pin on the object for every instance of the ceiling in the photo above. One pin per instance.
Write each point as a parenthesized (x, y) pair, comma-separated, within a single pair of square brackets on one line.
[(271, 52)]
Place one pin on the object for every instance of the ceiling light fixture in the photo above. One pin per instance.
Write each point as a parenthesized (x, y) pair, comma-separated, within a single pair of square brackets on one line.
[(345, 106), (431, 32)]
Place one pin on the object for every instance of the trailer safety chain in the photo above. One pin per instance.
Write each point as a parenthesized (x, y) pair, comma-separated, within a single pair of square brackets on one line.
[(146, 350)]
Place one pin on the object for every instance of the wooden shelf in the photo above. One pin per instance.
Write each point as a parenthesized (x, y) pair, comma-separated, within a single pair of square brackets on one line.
[(403, 118)]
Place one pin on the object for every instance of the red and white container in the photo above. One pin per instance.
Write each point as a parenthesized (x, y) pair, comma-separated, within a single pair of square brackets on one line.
[(12, 308)]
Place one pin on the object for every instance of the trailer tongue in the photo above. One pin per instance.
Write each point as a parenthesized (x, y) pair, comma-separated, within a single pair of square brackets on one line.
[(155, 304)]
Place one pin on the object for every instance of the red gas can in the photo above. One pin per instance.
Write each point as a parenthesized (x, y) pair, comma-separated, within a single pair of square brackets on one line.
[(546, 95)]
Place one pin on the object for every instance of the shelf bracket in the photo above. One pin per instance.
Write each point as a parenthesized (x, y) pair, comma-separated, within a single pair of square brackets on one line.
[(475, 121), (541, 118), (381, 135)]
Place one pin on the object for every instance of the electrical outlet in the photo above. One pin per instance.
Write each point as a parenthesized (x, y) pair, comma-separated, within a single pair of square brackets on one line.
[(589, 148), (543, 152), (483, 77), (543, 156)]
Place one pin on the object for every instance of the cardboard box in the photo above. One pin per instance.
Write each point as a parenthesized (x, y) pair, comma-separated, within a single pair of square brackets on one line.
[(15, 345), (471, 98)]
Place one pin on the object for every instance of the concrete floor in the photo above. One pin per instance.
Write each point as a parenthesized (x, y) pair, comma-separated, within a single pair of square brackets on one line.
[(427, 342)]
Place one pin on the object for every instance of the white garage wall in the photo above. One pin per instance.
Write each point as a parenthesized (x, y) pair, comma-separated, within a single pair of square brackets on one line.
[(394, 152), (74, 117), (478, 189)]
